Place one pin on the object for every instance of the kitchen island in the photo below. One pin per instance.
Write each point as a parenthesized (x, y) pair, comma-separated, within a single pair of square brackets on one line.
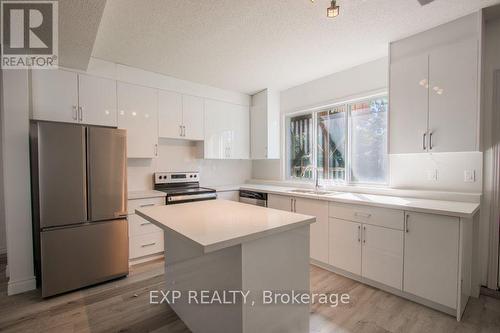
[(227, 261)]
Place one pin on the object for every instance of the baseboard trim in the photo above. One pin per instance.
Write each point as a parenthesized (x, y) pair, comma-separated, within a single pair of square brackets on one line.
[(21, 286), (490, 292)]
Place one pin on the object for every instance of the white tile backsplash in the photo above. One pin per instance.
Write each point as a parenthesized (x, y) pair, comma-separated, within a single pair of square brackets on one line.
[(181, 155)]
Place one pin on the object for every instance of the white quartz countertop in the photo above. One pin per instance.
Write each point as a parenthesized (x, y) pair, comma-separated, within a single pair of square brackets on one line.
[(133, 195), (442, 207), (217, 224)]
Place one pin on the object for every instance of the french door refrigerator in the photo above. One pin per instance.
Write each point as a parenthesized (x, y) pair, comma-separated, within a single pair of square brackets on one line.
[(79, 201)]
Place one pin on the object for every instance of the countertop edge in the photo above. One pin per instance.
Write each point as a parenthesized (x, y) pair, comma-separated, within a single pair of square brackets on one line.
[(234, 241), (368, 203), (147, 194)]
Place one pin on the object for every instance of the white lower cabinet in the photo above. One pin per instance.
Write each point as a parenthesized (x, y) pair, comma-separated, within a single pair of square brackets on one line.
[(345, 245), (431, 257), (145, 239), (318, 231), (382, 255)]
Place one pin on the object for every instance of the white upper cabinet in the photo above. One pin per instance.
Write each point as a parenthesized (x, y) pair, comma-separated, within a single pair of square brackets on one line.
[(55, 95), (434, 85), (408, 104), (264, 123), (226, 131), (138, 114), (453, 97), (169, 114), (97, 100), (64, 96), (192, 117), (180, 116)]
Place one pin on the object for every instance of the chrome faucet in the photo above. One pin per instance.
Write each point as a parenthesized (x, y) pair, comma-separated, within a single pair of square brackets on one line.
[(317, 179)]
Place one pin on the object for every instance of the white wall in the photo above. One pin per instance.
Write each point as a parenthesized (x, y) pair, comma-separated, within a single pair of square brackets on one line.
[(179, 155), (16, 177), (491, 63)]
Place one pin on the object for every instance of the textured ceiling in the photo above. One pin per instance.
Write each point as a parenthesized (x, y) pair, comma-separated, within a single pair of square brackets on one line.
[(78, 25), (249, 45)]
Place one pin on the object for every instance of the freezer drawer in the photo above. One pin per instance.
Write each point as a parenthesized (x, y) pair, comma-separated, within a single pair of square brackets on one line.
[(83, 255)]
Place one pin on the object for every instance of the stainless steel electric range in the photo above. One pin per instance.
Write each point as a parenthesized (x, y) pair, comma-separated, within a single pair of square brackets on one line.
[(182, 187)]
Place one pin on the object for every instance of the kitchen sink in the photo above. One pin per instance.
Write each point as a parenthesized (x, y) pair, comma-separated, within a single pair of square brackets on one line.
[(311, 192)]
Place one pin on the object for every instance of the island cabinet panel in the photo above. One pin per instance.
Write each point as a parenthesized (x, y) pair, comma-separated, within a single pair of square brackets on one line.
[(345, 245), (382, 255), (319, 229), (280, 202), (431, 257)]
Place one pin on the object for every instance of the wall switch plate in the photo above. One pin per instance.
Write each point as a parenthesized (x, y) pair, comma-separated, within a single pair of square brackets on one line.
[(469, 176), (432, 175)]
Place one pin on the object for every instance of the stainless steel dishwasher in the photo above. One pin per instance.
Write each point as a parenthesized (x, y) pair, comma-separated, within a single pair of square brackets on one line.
[(253, 198)]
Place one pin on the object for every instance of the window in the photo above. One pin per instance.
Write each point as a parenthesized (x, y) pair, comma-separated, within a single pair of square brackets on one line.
[(349, 140)]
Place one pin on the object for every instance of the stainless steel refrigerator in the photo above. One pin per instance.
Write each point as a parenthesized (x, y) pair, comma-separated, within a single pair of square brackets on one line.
[(79, 201)]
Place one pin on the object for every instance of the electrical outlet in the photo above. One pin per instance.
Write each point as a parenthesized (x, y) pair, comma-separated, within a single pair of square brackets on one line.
[(469, 176), (432, 175)]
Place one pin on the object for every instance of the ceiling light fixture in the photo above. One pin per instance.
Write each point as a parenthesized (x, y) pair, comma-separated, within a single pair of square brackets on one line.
[(333, 10)]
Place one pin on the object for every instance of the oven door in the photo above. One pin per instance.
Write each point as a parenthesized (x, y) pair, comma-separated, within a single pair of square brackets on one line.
[(176, 199)]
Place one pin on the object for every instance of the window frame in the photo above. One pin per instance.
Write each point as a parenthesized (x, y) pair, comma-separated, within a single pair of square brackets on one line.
[(314, 111)]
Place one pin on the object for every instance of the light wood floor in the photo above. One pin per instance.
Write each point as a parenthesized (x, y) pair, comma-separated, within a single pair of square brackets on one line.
[(123, 306)]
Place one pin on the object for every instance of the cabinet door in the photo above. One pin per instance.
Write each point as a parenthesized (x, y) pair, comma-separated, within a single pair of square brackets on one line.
[(192, 117), (169, 114), (453, 97), (258, 125), (319, 229), (431, 257), (345, 245), (382, 255), (54, 95), (408, 104), (280, 202), (216, 132), (240, 127), (138, 114), (97, 100)]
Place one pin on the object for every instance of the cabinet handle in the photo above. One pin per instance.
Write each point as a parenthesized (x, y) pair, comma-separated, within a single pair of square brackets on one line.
[(75, 112), (180, 130), (291, 204), (366, 215), (424, 147), (407, 217), (80, 112), (148, 205), (150, 244), (156, 149), (364, 234), (359, 234), (183, 131), (295, 205), (430, 140), (145, 223)]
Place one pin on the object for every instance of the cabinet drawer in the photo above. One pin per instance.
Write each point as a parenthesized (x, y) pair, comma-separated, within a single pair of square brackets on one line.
[(144, 245), (139, 226), (138, 203), (390, 218)]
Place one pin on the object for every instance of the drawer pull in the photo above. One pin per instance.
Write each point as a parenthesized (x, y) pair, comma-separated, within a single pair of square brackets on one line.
[(149, 244), (145, 223), (366, 215), (148, 205)]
